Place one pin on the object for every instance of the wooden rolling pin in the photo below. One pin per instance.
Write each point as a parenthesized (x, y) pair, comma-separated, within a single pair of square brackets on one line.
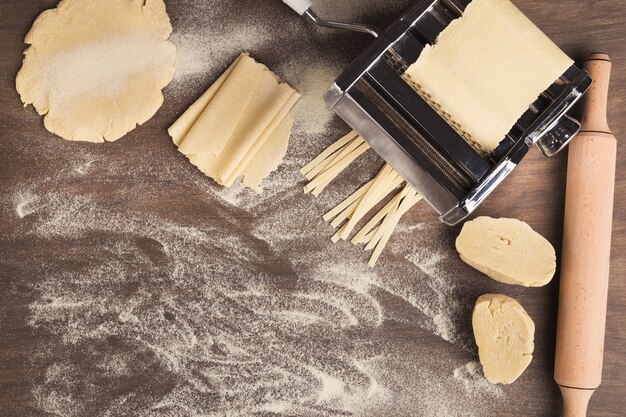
[(586, 247)]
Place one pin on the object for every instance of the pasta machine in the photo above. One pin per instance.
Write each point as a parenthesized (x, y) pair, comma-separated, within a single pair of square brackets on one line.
[(372, 96)]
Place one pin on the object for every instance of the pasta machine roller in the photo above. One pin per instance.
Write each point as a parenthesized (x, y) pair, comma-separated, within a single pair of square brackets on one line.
[(372, 96)]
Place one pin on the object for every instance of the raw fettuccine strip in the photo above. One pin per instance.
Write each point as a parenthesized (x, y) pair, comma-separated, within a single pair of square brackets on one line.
[(333, 161), (347, 214)]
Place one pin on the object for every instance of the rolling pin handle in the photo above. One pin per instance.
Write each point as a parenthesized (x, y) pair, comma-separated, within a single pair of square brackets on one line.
[(575, 401), (586, 250), (594, 118)]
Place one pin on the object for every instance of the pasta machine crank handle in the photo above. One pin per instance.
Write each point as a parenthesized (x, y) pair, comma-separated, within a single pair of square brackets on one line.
[(304, 8)]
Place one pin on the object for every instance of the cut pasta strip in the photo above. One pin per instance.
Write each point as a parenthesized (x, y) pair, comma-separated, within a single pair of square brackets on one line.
[(364, 205), (378, 191), (322, 170), (406, 191), (344, 153), (409, 201), (328, 152), (351, 210), (362, 235), (317, 185), (334, 158), (382, 229), (332, 161), (370, 235), (347, 214), (347, 202)]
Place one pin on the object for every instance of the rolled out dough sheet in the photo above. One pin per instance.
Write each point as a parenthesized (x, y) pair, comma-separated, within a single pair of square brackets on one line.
[(95, 69), (486, 68), (183, 125), (269, 156), (240, 126), (224, 110)]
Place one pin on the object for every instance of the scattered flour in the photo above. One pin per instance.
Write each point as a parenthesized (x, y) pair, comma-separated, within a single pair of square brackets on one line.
[(108, 65), (311, 115), (444, 326), (474, 382), (331, 388), (444, 306), (218, 328), (26, 204), (203, 50), (83, 168), (155, 314), (210, 332), (409, 228)]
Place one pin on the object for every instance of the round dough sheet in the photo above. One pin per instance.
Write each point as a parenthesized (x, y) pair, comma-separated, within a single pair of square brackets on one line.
[(95, 68)]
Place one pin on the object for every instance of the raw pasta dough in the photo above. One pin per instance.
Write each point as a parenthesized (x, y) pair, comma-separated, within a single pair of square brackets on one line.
[(486, 68), (505, 334), (507, 250), (335, 159), (96, 68), (240, 126), (345, 216)]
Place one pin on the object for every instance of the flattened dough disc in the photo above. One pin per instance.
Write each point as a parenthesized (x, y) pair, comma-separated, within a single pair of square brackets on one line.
[(96, 68)]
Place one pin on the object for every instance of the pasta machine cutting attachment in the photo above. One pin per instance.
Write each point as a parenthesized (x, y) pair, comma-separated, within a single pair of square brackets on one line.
[(372, 96)]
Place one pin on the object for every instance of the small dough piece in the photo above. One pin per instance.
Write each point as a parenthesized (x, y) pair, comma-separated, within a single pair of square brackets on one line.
[(96, 68), (508, 251), (240, 126), (485, 70), (505, 334)]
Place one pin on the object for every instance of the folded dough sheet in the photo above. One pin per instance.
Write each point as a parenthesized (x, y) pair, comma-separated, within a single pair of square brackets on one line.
[(485, 70), (240, 126)]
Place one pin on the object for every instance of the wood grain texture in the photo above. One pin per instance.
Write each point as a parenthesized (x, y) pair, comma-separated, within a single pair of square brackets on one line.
[(163, 185), (586, 253)]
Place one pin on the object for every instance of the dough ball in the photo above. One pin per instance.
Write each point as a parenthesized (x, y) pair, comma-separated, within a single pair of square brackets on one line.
[(504, 333), (96, 68), (508, 251)]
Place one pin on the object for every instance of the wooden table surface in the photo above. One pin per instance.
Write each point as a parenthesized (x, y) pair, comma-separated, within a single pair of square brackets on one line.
[(92, 232)]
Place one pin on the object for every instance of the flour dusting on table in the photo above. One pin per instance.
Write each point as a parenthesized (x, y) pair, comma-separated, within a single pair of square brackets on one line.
[(201, 318), (247, 309)]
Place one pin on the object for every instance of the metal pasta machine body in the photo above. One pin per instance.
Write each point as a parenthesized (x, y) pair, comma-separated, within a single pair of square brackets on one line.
[(372, 96)]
